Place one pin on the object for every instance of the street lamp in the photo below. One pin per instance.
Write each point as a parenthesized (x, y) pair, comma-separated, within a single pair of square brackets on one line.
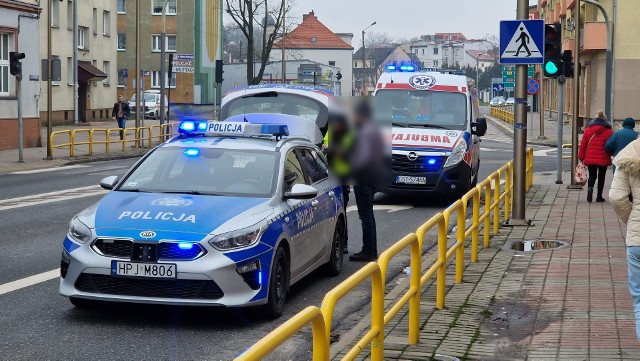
[(364, 62), (478, 73)]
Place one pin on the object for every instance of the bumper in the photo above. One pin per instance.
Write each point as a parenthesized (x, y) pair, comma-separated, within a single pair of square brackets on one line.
[(211, 280), (446, 181)]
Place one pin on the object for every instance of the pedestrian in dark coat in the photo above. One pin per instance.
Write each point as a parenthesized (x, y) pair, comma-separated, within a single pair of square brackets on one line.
[(621, 138), (593, 154), (120, 113)]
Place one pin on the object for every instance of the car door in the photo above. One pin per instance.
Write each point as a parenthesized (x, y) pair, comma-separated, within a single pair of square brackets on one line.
[(301, 218), (317, 176)]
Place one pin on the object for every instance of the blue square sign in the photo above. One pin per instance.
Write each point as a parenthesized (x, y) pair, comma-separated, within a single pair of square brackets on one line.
[(522, 42)]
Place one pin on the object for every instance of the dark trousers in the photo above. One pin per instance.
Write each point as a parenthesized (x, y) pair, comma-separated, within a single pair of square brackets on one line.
[(121, 124), (364, 201), (599, 172)]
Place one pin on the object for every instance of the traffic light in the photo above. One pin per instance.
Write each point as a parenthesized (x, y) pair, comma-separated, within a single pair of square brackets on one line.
[(338, 75), (552, 51), (15, 67), (567, 60), (219, 72)]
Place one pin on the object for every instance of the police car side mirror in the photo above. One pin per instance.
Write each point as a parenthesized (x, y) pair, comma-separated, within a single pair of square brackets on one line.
[(479, 127), (301, 191), (109, 182)]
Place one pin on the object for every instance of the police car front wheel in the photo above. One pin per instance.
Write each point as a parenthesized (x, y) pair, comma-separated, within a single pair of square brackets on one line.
[(334, 266), (278, 285)]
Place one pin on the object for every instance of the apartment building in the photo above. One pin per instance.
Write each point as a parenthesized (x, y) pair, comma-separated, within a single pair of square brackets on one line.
[(593, 44), (97, 59), (18, 20)]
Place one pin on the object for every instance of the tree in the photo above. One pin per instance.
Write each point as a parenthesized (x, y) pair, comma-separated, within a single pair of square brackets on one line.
[(259, 21)]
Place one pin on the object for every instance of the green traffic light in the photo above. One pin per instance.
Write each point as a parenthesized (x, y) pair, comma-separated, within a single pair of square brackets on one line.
[(551, 68)]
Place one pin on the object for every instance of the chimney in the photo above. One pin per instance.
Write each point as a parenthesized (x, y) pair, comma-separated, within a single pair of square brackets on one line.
[(305, 16)]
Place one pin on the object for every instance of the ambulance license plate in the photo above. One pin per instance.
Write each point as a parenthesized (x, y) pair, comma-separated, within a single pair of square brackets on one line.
[(150, 270), (405, 179)]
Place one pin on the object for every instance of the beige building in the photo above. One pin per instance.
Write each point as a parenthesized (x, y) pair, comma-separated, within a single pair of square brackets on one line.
[(593, 44), (97, 59)]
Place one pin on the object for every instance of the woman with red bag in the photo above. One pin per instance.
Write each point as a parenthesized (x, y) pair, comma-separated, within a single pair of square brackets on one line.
[(592, 152)]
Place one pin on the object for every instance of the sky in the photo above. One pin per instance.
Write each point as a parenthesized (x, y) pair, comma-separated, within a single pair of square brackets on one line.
[(410, 18)]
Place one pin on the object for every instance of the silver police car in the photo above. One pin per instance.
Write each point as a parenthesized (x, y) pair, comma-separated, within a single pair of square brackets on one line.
[(227, 213)]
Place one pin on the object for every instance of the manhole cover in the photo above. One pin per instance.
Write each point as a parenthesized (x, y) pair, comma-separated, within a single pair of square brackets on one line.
[(535, 245)]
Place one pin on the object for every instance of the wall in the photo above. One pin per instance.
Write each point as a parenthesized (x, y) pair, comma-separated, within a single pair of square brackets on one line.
[(28, 44), (342, 57)]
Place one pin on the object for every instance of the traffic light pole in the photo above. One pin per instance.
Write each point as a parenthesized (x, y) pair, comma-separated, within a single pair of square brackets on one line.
[(520, 134), (561, 81), (20, 126), (576, 97)]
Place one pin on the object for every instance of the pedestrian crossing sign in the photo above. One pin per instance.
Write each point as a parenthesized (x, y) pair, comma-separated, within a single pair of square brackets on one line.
[(522, 42)]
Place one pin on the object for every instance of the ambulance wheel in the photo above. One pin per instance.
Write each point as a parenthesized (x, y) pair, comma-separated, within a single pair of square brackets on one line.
[(278, 285), (334, 266), (83, 302)]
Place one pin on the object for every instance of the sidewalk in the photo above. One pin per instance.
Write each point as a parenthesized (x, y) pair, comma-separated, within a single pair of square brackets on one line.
[(567, 303), (35, 158), (533, 129)]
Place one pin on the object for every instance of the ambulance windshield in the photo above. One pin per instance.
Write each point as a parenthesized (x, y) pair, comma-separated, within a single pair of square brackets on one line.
[(422, 108)]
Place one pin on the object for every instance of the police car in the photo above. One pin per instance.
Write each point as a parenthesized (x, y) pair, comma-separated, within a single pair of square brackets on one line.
[(435, 130), (227, 213)]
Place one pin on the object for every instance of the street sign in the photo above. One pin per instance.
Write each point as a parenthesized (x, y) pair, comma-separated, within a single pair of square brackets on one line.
[(509, 75), (521, 41), (184, 56), (498, 87), (125, 73), (183, 69), (533, 86)]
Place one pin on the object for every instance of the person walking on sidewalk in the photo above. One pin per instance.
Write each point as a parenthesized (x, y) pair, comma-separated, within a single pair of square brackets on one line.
[(626, 181), (621, 138), (120, 113), (593, 154)]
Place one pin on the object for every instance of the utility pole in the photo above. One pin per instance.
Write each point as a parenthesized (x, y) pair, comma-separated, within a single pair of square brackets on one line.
[(561, 81), (541, 104), (75, 63), (576, 96), (284, 30), (162, 65), (139, 101), (364, 61), (49, 87), (20, 124), (520, 133)]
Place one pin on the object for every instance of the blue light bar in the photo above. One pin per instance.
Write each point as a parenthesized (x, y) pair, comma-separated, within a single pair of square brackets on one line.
[(192, 152), (246, 128), (390, 67), (187, 126), (202, 126), (185, 246)]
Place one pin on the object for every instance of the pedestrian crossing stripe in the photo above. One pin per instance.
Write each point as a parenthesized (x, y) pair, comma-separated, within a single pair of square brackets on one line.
[(521, 45)]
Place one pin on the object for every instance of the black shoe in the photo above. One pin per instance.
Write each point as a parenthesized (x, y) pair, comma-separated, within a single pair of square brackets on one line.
[(362, 257), (589, 194), (600, 199)]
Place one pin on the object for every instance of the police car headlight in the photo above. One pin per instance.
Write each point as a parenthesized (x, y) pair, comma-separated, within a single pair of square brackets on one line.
[(457, 154), (237, 239), (78, 231)]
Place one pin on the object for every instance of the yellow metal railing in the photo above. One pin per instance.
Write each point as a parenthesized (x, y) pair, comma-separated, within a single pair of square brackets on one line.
[(141, 137), (494, 197), (503, 112)]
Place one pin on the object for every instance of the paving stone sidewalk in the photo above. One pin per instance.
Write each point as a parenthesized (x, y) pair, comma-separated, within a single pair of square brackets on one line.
[(568, 303)]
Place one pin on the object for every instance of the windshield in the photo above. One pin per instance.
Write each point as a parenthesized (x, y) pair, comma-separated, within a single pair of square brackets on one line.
[(148, 97), (205, 171), (422, 108), (273, 102)]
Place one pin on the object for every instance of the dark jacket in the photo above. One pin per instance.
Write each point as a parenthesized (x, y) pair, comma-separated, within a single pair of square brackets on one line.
[(125, 109), (595, 136), (620, 139)]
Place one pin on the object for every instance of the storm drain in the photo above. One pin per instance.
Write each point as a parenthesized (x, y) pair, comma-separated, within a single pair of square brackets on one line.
[(534, 245)]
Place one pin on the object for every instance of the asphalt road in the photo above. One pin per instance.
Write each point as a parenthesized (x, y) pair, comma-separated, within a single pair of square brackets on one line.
[(37, 323)]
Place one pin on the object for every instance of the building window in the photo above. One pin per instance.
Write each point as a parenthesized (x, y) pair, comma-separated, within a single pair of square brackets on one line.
[(95, 21), (122, 81), (6, 45), (105, 69), (122, 41), (106, 23), (423, 51), (95, 64), (56, 82), (155, 79), (355, 64), (69, 70), (415, 51), (170, 43), (70, 15), (435, 63), (122, 7), (332, 63), (172, 7), (82, 33), (435, 51), (55, 14)]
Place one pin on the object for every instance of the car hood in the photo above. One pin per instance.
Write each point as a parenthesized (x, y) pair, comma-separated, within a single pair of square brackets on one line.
[(424, 139), (172, 216)]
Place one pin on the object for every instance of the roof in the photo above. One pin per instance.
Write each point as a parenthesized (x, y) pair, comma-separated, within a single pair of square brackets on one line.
[(377, 54), (415, 60), (87, 72), (481, 55), (451, 36), (312, 34)]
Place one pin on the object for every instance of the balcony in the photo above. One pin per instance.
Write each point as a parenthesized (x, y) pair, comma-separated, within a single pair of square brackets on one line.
[(562, 8), (593, 37)]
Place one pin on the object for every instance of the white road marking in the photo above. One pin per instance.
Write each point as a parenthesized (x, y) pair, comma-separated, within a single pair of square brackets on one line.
[(383, 207), (50, 197), (54, 169), (29, 281)]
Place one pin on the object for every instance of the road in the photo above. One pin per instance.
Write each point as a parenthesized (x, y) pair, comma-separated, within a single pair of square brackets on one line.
[(37, 323)]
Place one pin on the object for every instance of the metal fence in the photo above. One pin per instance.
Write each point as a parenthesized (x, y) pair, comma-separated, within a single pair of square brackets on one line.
[(494, 198), (503, 112)]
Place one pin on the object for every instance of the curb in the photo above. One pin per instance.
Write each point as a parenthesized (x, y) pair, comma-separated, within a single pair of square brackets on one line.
[(106, 158), (61, 162), (507, 129)]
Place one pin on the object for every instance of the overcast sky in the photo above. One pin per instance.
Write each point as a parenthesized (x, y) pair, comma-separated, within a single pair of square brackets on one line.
[(409, 18)]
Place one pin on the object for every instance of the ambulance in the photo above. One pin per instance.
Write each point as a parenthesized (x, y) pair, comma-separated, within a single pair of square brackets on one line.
[(435, 131)]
